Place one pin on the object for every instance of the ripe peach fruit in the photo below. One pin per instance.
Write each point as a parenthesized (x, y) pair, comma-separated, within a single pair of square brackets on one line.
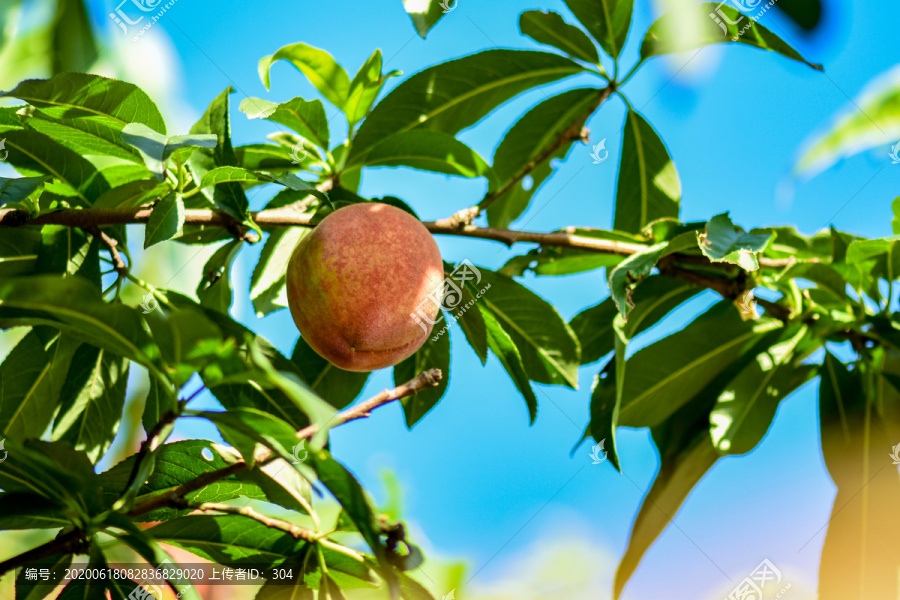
[(359, 286)]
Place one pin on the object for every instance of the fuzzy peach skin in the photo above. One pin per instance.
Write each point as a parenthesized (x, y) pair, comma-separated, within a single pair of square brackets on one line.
[(356, 281)]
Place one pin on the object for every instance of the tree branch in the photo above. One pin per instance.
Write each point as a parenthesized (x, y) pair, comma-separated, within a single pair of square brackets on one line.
[(74, 541), (289, 216), (297, 532)]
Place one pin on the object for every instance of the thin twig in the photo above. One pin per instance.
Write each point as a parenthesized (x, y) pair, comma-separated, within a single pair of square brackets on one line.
[(297, 532), (74, 541)]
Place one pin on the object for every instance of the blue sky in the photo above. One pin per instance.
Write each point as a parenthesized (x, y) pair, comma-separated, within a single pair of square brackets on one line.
[(480, 483)]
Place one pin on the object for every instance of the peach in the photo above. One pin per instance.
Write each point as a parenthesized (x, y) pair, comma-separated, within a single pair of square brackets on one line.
[(360, 286)]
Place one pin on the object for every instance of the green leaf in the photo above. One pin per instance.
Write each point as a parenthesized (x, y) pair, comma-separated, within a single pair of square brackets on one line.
[(307, 118), (352, 498), (548, 27), (32, 376), (855, 130), (726, 242), (17, 189), (36, 153), (667, 374), (531, 136), (19, 251), (133, 194), (664, 38), (549, 350), (428, 151), (74, 46), (365, 88), (86, 587), (503, 347), (266, 157), (268, 283), (858, 557), (230, 540), (73, 306), (454, 95), (682, 466), (177, 463), (338, 387), (243, 428), (317, 65), (67, 251), (85, 137), (639, 265), (160, 400), (606, 20), (92, 401), (166, 220), (470, 318), (746, 407), (426, 13), (215, 120), (92, 98), (648, 187), (434, 353), (155, 148), (653, 300), (214, 289)]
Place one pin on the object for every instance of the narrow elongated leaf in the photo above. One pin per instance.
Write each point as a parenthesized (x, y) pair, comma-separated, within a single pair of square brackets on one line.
[(746, 407), (434, 353), (74, 46), (266, 157), (338, 387), (166, 220), (268, 283), (426, 13), (669, 373), (457, 94), (72, 305), (648, 187), (858, 558), (365, 88), (724, 26), (230, 540), (529, 139), (428, 151), (92, 97), (470, 319), (681, 468), (32, 376), (607, 20), (92, 401), (216, 120), (726, 242), (653, 300), (548, 27), (36, 153), (317, 65), (307, 118), (549, 350), (214, 289), (155, 148), (507, 353)]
